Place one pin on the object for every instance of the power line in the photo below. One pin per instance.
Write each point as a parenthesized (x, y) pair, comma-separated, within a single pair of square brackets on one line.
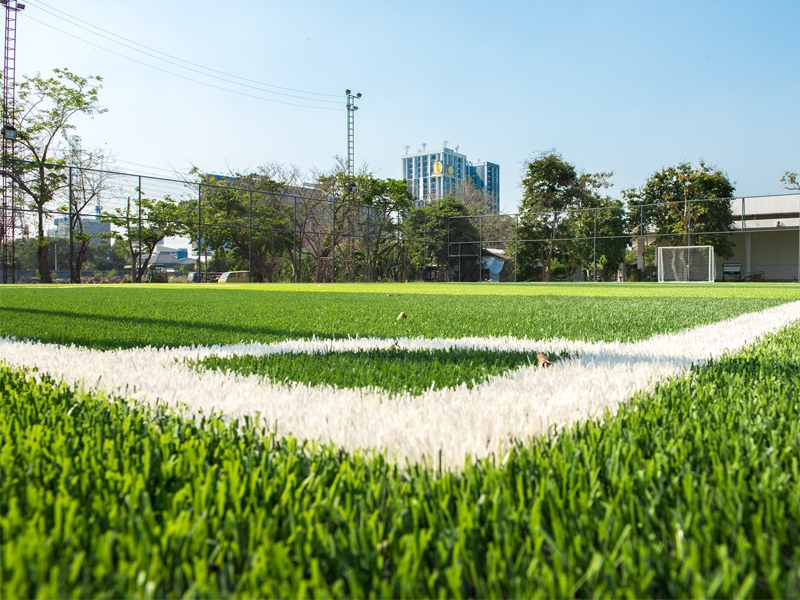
[(69, 19), (151, 167), (201, 72), (211, 85)]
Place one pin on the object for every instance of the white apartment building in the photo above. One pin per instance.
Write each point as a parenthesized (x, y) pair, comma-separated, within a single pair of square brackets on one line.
[(433, 175)]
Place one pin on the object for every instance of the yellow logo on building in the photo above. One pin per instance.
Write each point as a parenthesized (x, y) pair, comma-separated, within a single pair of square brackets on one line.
[(437, 167)]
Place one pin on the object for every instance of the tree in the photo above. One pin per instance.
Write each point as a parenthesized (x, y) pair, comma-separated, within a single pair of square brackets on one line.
[(599, 231), (599, 225), (428, 230), (352, 219), (110, 258), (466, 193), (246, 215), (86, 182), (142, 224), (550, 187), (42, 118), (686, 206), (339, 222), (27, 250), (383, 201), (313, 224), (790, 180)]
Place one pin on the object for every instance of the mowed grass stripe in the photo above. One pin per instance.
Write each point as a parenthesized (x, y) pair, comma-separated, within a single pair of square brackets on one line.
[(690, 490), (393, 371), (135, 316)]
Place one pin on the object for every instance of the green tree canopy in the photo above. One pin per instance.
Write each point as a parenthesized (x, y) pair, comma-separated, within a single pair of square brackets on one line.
[(428, 230), (790, 180), (384, 201), (684, 205), (244, 213), (142, 224), (43, 119), (87, 181), (557, 205), (599, 230)]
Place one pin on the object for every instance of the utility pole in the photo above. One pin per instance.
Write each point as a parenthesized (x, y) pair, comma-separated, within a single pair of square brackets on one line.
[(9, 137)]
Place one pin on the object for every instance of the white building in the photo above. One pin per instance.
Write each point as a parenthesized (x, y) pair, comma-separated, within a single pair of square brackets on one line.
[(767, 245), (91, 225), (433, 175)]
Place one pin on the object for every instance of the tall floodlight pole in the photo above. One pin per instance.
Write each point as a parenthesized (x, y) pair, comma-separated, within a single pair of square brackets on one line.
[(9, 137), (351, 110), (686, 214)]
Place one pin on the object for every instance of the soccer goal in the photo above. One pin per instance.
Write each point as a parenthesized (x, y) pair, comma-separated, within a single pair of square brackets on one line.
[(686, 264)]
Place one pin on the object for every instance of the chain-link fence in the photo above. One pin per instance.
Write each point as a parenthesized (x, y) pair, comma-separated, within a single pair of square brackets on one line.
[(89, 225), (100, 225)]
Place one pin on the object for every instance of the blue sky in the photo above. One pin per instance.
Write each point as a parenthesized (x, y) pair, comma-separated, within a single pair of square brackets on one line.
[(621, 86)]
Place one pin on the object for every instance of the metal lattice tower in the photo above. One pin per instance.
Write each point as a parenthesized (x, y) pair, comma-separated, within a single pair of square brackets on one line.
[(8, 225), (351, 110)]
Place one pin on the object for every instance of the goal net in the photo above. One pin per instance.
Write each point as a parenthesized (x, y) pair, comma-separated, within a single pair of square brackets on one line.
[(686, 264)]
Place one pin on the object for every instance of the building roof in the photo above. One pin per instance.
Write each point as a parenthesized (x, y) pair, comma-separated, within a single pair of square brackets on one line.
[(164, 258)]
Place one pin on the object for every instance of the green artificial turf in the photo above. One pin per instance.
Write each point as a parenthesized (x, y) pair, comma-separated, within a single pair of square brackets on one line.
[(692, 490), (394, 371), (124, 316)]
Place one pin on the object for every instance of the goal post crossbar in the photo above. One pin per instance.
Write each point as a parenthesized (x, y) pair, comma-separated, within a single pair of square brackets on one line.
[(686, 264)]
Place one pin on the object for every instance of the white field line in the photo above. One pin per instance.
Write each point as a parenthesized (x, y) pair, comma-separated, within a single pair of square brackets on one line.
[(458, 422)]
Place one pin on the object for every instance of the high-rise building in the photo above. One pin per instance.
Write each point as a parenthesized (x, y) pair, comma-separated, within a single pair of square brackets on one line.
[(433, 175)]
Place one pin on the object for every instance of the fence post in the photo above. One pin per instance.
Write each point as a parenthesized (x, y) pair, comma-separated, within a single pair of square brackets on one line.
[(688, 224), (333, 243), (516, 245), (139, 253), (199, 229), (594, 247), (552, 248), (641, 221), (69, 221), (424, 245), (480, 247), (641, 235), (460, 249), (250, 240), (399, 256), (294, 242), (447, 272), (366, 267)]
